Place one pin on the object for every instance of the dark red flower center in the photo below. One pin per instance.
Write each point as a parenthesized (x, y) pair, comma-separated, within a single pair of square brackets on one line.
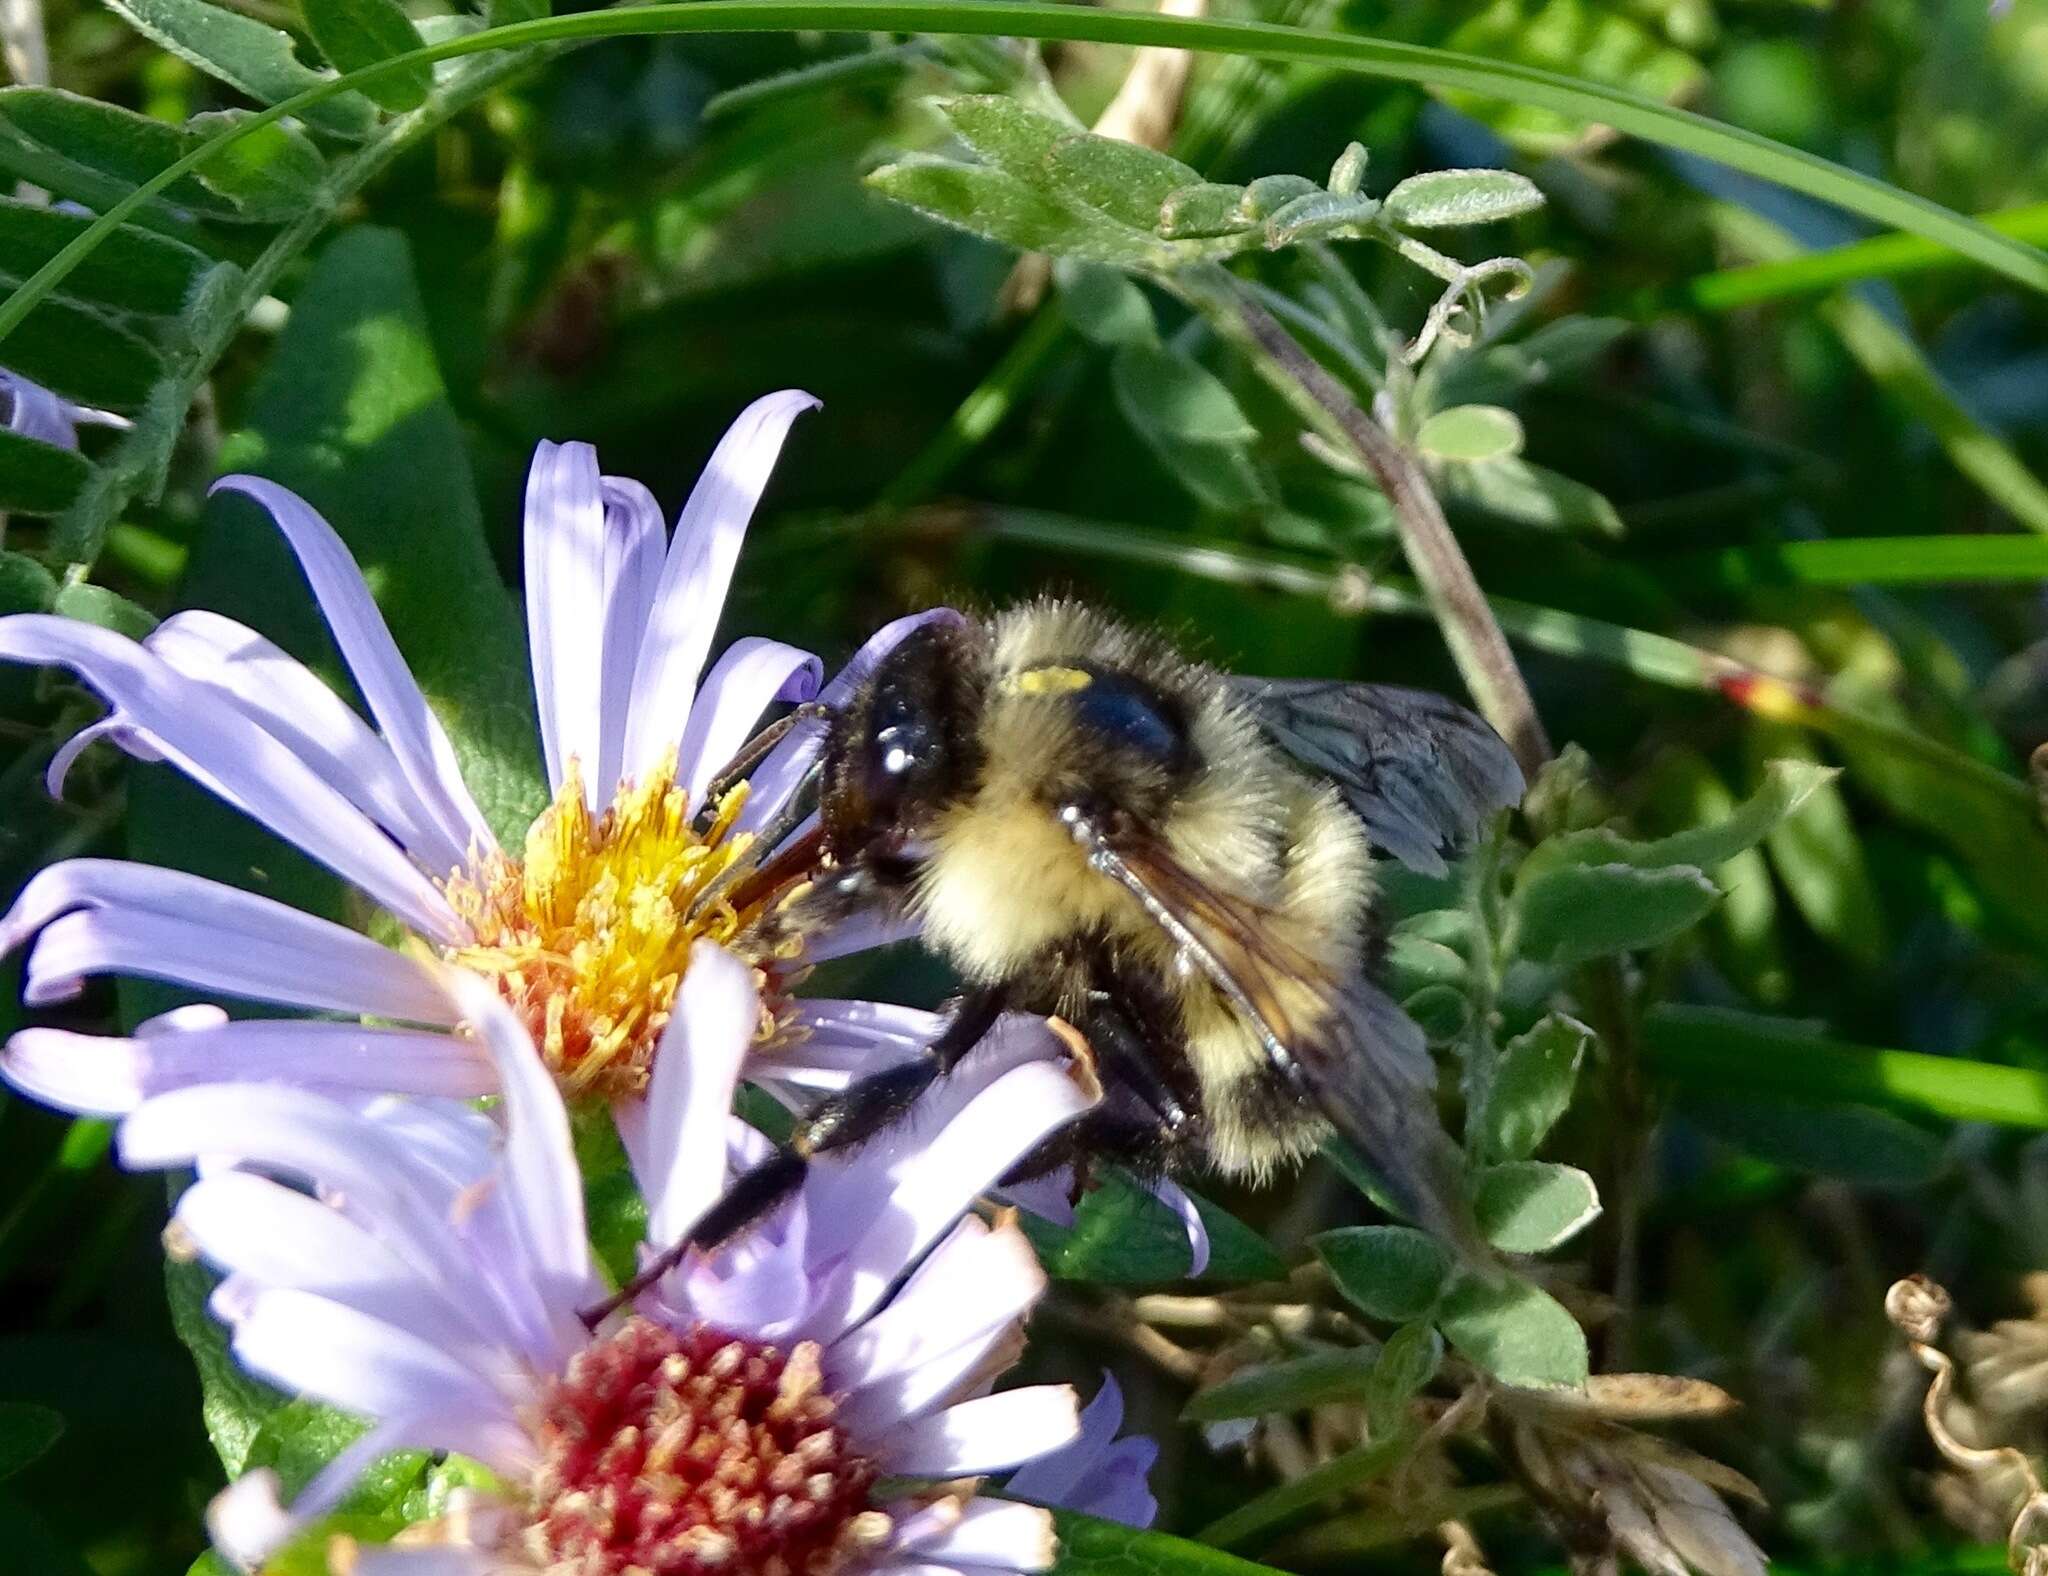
[(685, 1454)]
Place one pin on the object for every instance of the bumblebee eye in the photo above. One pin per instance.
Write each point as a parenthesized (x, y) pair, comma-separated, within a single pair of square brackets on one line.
[(901, 747), (1137, 717)]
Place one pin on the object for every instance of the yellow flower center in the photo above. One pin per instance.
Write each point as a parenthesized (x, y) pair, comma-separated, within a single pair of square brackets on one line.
[(588, 935)]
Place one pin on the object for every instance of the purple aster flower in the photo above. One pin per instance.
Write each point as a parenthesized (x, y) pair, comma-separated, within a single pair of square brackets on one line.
[(32, 411), (741, 1417), (586, 929)]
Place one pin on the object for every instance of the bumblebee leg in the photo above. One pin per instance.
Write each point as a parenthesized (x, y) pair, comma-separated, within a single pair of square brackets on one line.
[(858, 1112)]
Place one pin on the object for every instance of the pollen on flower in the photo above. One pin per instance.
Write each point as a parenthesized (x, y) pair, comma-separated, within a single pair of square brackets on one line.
[(694, 1453), (588, 934)]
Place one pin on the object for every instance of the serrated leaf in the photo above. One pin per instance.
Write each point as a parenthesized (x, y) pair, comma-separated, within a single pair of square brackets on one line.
[(133, 270), (353, 34), (1394, 1273), (1104, 306), (1532, 1087), (271, 173), (1510, 488), (26, 1431), (1578, 912), (1407, 1362), (1516, 1331), (996, 205), (246, 54), (38, 477), (1123, 1236), (1290, 1386), (1532, 1206), (1439, 198), (1471, 433), (1107, 175)]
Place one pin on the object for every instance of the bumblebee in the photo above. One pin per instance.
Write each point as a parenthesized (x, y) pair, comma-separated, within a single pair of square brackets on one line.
[(1175, 861)]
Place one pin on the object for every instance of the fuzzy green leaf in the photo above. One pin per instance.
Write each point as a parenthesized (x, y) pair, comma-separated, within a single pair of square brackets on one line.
[(1407, 1362), (246, 54), (232, 1405), (1532, 1087), (1470, 433), (1532, 1206), (1517, 1332), (26, 1431), (132, 270), (1123, 1236), (273, 173), (1191, 421), (353, 34), (37, 477), (1510, 488), (1110, 176), (1440, 198), (1104, 306), (1577, 912), (1006, 135), (995, 204), (1093, 1547), (1392, 1272), (84, 355), (1290, 1386)]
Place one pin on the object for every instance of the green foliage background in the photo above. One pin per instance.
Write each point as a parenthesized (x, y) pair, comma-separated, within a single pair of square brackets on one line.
[(1724, 435)]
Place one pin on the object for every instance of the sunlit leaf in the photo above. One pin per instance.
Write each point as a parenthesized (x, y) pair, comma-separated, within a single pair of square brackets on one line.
[(1516, 1331), (245, 54), (1532, 1206), (1532, 1087), (1392, 1272), (1439, 198)]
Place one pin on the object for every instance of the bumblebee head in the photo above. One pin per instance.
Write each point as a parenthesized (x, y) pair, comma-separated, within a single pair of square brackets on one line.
[(904, 746)]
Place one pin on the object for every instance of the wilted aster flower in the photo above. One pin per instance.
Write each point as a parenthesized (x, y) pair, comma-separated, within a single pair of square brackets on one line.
[(740, 1416), (32, 411), (586, 930)]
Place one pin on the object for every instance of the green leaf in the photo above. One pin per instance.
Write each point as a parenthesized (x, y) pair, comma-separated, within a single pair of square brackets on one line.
[(1532, 1087), (1191, 421), (1532, 1206), (1093, 1547), (1006, 135), (996, 205), (1104, 306), (1294, 1385), (1880, 560), (96, 154), (1510, 488), (1471, 432), (247, 55), (351, 414), (1407, 1362), (1394, 1273), (1107, 175), (1123, 1236), (1203, 210), (1516, 1331), (26, 1431), (77, 352), (273, 172), (1789, 786), (135, 270), (357, 33), (1587, 911), (1353, 1469), (1440, 198), (25, 585), (91, 604), (232, 1405), (1856, 1143), (1818, 854), (38, 477)]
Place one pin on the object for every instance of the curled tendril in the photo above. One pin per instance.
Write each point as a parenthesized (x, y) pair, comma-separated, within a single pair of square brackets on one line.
[(1465, 295)]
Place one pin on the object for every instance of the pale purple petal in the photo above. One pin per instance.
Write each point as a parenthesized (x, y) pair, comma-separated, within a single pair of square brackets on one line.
[(539, 1169), (305, 1343), (35, 412), (862, 933), (977, 1280), (1098, 1474), (268, 1234), (442, 1561), (105, 1075), (565, 605), (932, 1180), (987, 1532), (114, 731), (939, 1378), (113, 916), (635, 539), (783, 772), (1176, 1198), (224, 751), (984, 1435), (1050, 1197), (408, 724), (698, 573), (291, 703), (690, 1094), (750, 676), (839, 1041)]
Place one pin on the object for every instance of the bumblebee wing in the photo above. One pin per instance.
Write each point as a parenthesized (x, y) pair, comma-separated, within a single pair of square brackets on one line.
[(1422, 772), (1343, 1043)]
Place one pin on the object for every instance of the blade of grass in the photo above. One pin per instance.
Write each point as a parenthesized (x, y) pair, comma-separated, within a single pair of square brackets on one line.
[(1887, 353), (1590, 102), (1861, 561), (1709, 1048), (1880, 257)]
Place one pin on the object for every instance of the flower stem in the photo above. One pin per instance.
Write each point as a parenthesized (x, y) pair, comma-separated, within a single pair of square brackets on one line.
[(1475, 639)]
